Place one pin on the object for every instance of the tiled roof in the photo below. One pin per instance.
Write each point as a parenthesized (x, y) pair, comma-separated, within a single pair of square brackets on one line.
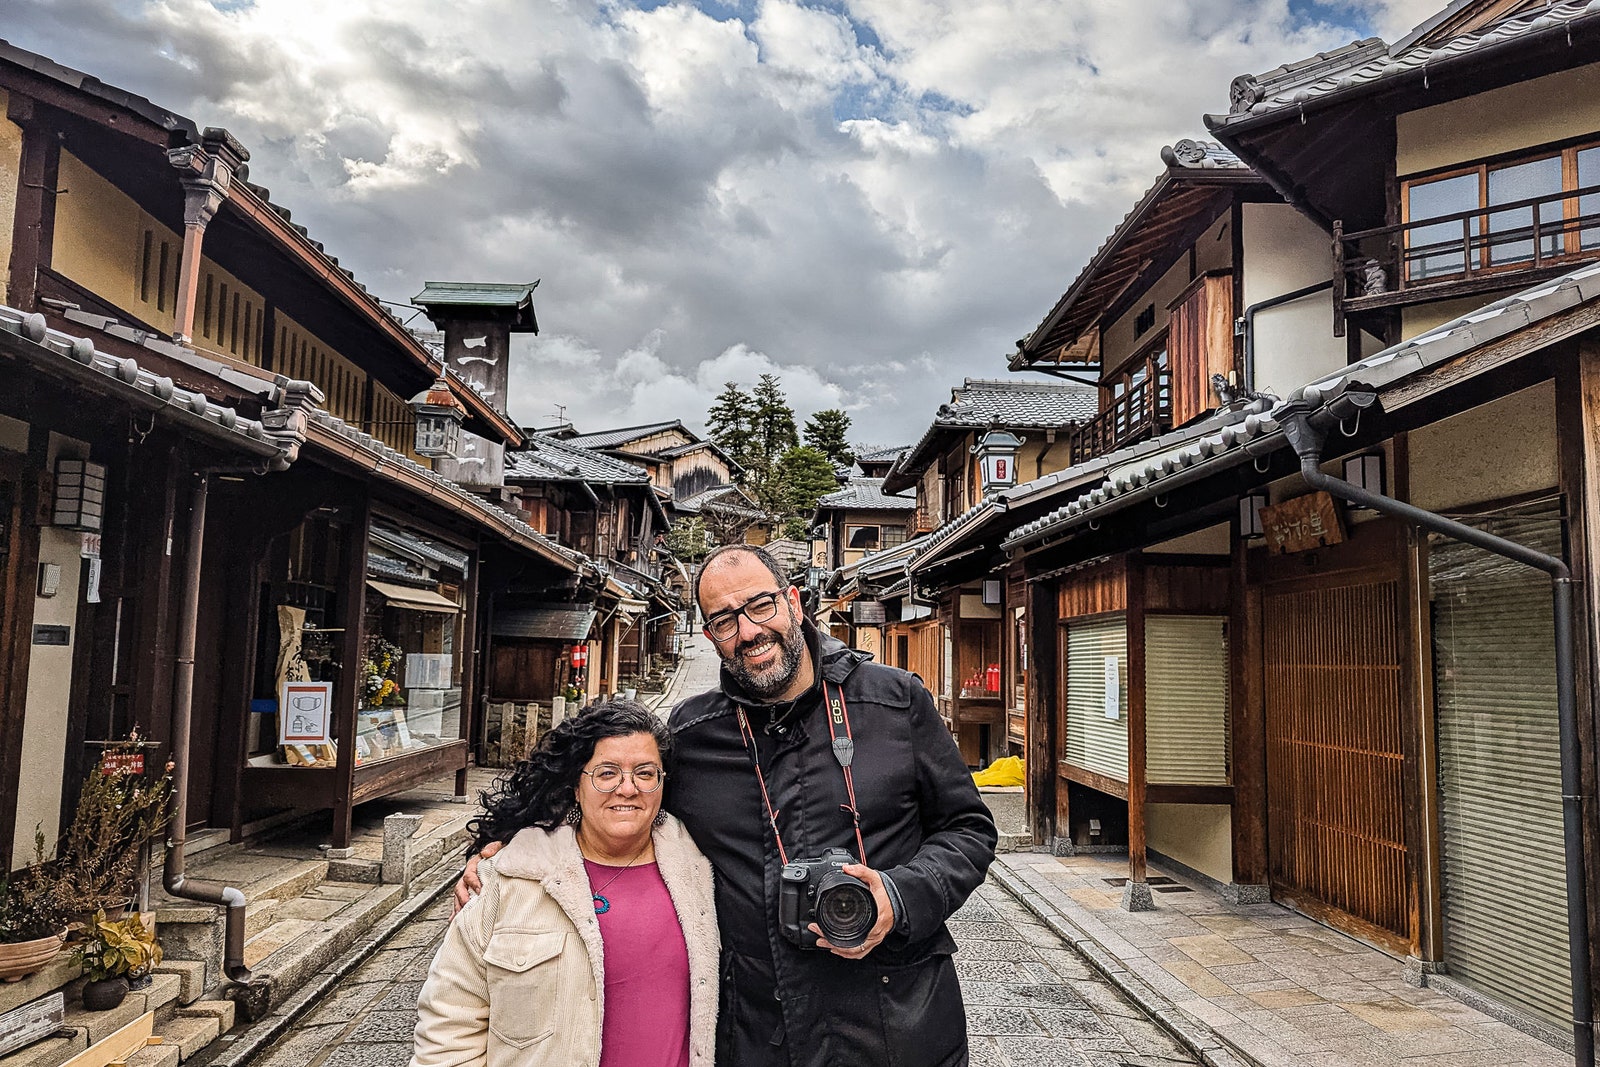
[(612, 438), (729, 498), (549, 460), (495, 518), (881, 455), (1261, 432), (979, 403), (1362, 65), (474, 294), (276, 437), (865, 494)]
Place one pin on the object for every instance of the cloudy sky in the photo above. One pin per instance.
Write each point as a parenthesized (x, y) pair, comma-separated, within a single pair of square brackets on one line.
[(871, 198)]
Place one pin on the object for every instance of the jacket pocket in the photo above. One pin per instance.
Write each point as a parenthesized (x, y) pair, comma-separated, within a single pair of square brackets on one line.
[(525, 991)]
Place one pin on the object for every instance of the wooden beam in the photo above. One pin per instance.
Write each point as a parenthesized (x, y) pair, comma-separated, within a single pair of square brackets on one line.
[(352, 616), (1046, 809), (1247, 709), (1136, 718), (34, 218), (1104, 783), (16, 634), (1162, 793)]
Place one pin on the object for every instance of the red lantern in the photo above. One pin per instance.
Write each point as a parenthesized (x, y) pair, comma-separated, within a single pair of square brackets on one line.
[(580, 656)]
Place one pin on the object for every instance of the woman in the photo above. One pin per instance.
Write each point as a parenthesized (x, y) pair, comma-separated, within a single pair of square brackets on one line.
[(594, 940)]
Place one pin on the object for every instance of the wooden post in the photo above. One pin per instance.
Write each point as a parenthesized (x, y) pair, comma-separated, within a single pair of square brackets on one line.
[(351, 651), (1137, 895), (1339, 280), (1248, 734), (34, 223), (1045, 795), (469, 658)]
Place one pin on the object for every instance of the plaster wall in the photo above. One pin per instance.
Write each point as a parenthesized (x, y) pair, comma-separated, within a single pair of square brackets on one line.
[(1535, 112), (98, 238), (1504, 448), (10, 172), (44, 726), (1213, 251), (1294, 343), (1421, 318), (1212, 541), (1199, 835)]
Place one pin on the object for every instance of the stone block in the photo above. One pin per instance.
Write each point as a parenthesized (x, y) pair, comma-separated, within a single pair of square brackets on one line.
[(220, 1010), (100, 1025), (339, 853), (200, 942), (163, 990), (1136, 897), (190, 1033), (191, 976), (162, 1055), (368, 872), (57, 973), (255, 998), (51, 1052), (398, 830)]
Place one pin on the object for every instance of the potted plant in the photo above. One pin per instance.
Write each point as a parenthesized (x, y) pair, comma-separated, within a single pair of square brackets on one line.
[(112, 951), (33, 917), (120, 811)]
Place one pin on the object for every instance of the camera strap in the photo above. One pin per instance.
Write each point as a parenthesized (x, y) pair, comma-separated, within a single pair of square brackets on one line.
[(843, 750)]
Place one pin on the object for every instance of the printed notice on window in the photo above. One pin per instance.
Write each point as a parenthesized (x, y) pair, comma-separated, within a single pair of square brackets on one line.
[(304, 711), (1113, 688)]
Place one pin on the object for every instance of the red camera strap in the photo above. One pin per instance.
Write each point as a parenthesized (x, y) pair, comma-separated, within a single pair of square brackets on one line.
[(843, 749)]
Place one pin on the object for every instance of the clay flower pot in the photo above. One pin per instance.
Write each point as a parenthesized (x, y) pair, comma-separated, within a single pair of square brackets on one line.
[(104, 994), (22, 958)]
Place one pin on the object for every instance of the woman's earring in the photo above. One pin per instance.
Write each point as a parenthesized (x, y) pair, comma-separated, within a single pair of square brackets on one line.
[(574, 815), (660, 819)]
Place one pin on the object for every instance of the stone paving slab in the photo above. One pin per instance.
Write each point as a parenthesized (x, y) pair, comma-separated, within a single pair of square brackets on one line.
[(1261, 981)]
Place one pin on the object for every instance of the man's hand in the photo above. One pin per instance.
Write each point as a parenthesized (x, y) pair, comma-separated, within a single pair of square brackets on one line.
[(880, 929), (469, 885)]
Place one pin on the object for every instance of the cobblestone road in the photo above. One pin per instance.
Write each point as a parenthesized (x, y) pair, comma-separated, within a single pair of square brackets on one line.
[(1031, 1001)]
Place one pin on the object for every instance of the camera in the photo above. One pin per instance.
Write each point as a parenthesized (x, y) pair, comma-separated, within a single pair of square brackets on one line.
[(818, 891)]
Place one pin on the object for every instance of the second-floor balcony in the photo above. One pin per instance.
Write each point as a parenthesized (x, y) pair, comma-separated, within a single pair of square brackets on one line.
[(1143, 409), (1460, 253)]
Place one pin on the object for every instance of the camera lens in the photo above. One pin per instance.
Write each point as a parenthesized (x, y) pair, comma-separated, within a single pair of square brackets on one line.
[(845, 909)]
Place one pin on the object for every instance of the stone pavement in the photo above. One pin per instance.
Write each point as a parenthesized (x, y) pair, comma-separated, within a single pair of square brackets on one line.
[(697, 672), (1031, 1000), (1263, 980)]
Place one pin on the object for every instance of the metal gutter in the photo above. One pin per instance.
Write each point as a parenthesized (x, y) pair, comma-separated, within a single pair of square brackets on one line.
[(1307, 440)]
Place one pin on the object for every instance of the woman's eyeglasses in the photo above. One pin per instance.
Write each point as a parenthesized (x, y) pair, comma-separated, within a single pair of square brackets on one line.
[(758, 609), (607, 778)]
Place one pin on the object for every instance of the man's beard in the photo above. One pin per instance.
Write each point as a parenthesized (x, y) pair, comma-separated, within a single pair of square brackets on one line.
[(769, 682)]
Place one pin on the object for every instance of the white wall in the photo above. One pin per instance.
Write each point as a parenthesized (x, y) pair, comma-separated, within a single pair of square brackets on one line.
[(1294, 343), (44, 727), (1213, 251), (1527, 114)]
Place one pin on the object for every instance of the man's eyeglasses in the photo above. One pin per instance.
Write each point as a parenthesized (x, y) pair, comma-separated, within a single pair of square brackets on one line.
[(607, 778), (758, 609)]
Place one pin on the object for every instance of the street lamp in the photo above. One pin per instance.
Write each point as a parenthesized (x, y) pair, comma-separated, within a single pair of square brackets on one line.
[(439, 418), (997, 456)]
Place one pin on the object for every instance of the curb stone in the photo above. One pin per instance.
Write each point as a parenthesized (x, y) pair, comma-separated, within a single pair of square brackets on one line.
[(237, 1050), (1211, 1048)]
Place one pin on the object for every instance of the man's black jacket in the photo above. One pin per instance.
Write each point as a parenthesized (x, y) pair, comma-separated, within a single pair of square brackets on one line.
[(924, 826)]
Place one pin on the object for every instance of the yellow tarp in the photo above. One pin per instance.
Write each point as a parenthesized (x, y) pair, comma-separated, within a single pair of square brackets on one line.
[(1007, 770)]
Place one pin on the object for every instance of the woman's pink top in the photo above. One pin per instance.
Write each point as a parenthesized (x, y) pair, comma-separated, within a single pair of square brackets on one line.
[(646, 1020)]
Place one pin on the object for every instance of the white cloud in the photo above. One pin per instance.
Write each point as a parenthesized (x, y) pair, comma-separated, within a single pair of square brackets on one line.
[(871, 198)]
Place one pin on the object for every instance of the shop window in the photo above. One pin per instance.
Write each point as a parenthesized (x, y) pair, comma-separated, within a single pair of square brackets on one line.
[(1186, 699), (890, 536), (1095, 733)]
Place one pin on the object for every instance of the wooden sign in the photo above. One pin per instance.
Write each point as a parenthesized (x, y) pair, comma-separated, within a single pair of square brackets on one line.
[(122, 763), (23, 1026), (1302, 524)]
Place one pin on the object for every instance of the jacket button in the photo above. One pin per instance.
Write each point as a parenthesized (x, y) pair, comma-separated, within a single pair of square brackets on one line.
[(521, 963), (885, 979)]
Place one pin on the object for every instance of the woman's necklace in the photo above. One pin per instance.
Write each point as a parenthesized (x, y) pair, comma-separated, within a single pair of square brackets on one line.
[(601, 903)]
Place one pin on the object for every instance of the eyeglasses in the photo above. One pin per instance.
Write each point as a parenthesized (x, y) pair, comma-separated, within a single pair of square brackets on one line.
[(758, 609), (607, 778)]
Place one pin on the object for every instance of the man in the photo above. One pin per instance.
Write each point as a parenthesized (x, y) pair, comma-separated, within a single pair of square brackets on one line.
[(755, 763)]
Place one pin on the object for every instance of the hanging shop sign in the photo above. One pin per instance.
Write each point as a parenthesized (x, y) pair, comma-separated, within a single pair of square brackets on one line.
[(307, 713), (1302, 524)]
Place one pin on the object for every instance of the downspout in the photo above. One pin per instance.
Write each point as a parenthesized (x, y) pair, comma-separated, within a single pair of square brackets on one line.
[(173, 877), (1246, 325), (1307, 440)]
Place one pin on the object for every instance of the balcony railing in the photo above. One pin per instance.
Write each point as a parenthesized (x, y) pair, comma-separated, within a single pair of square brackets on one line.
[(1464, 252), (1144, 410), (925, 519)]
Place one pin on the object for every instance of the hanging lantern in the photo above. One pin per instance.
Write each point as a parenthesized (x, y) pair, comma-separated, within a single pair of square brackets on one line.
[(439, 418), (997, 456), (580, 657)]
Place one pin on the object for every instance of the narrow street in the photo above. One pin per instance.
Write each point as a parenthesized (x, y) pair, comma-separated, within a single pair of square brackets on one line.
[(1031, 1000)]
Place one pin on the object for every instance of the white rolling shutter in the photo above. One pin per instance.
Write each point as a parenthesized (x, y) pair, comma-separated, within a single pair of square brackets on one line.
[(1504, 887), (1186, 699), (1093, 741)]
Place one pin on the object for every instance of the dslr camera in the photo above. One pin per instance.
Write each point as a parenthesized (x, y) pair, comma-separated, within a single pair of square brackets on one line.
[(818, 891)]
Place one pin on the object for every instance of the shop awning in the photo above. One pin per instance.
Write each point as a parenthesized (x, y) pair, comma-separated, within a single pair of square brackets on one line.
[(410, 599), (565, 622)]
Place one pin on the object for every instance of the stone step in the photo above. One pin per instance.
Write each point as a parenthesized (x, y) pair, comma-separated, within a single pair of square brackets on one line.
[(309, 933), (81, 1028)]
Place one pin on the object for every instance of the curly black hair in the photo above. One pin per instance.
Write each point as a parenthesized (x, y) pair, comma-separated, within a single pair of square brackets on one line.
[(539, 790)]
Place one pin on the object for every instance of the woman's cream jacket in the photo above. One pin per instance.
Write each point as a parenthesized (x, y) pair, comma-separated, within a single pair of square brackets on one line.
[(520, 978)]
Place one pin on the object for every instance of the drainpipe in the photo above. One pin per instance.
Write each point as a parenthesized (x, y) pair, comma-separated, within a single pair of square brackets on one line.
[(1307, 440), (176, 881), (1246, 325)]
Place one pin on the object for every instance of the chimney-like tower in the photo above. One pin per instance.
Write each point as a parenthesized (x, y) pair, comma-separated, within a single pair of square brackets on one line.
[(478, 320)]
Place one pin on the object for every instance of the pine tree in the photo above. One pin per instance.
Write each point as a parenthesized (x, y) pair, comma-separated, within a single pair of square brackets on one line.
[(774, 427), (805, 476), (825, 431), (731, 424)]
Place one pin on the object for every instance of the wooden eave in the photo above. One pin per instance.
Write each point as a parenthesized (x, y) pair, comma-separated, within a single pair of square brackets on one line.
[(1170, 218)]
